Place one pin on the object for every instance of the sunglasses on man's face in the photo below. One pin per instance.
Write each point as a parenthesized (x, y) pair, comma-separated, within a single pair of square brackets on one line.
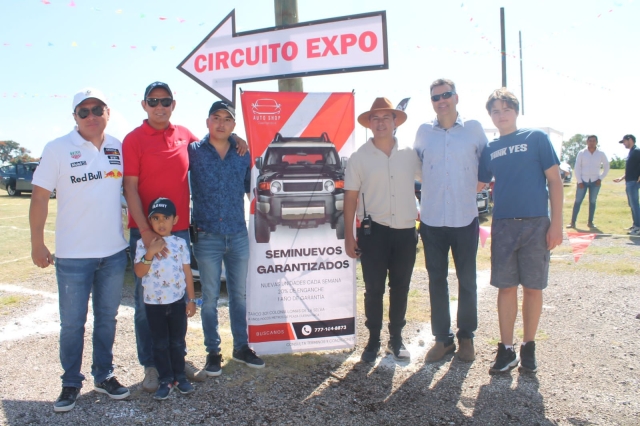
[(445, 95), (165, 102), (97, 110)]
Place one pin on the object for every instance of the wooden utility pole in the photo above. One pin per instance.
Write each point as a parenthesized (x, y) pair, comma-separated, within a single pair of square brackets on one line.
[(504, 49), (286, 12), (521, 76)]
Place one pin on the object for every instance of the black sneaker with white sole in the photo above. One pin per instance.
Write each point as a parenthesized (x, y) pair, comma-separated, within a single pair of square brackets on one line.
[(397, 349), (528, 362), (249, 357), (113, 388), (370, 352), (506, 359), (213, 366), (67, 399)]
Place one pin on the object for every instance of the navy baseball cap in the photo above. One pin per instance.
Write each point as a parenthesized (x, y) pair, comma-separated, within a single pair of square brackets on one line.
[(633, 138), (163, 206), (155, 85), (221, 105)]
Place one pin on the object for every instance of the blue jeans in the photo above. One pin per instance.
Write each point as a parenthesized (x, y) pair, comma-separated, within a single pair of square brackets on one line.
[(168, 325), (77, 279), (463, 243), (580, 193), (143, 334), (632, 198), (210, 251)]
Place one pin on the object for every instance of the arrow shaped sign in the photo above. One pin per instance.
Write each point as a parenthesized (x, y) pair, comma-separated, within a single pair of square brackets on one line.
[(346, 44)]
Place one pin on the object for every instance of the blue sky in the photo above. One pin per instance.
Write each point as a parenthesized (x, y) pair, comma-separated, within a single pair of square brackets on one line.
[(580, 60)]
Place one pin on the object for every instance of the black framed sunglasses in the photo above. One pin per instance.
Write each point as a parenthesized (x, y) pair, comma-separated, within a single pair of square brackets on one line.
[(165, 102), (97, 110), (445, 95)]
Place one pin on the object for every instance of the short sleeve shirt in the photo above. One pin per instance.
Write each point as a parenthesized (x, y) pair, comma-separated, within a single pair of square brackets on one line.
[(88, 184), (518, 162), (165, 282), (159, 159), (387, 184)]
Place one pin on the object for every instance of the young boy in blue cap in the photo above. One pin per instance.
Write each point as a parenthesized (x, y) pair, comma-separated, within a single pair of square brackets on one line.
[(165, 280)]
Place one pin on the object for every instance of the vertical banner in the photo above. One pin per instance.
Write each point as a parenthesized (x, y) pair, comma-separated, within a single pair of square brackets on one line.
[(301, 286)]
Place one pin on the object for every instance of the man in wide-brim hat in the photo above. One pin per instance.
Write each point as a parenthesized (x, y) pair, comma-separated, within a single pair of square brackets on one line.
[(379, 189)]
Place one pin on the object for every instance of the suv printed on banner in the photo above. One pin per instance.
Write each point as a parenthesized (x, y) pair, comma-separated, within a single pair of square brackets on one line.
[(300, 185)]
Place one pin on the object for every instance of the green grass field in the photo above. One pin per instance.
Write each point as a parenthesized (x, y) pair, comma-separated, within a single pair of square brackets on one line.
[(612, 217)]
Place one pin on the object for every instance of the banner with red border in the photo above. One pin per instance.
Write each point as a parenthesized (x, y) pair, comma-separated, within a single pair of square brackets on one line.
[(301, 290)]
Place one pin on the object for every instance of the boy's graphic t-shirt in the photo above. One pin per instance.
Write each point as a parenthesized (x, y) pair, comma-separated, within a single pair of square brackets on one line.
[(518, 162), (165, 282)]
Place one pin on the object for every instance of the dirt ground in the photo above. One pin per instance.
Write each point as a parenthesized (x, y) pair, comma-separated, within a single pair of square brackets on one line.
[(588, 351)]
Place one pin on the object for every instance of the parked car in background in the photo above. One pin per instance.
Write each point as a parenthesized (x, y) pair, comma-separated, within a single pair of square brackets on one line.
[(566, 172), (17, 178), (483, 198)]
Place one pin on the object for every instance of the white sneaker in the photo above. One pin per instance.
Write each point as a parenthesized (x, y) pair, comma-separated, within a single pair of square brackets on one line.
[(634, 231)]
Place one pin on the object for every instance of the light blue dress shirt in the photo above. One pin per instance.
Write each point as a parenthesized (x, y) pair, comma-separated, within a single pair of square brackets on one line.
[(449, 171)]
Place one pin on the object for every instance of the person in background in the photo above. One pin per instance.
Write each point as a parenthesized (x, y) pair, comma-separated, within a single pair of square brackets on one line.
[(591, 167), (632, 179)]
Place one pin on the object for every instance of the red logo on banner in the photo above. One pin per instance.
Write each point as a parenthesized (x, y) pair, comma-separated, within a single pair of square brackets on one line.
[(296, 114), (270, 333)]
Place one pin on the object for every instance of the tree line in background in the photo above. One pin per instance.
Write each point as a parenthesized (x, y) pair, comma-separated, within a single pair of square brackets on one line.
[(11, 152), (577, 143)]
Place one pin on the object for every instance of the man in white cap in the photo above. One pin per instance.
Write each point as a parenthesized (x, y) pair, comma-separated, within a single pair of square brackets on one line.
[(85, 169), (379, 186)]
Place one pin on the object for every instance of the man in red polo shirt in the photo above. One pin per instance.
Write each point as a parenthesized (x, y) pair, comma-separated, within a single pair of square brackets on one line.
[(156, 164)]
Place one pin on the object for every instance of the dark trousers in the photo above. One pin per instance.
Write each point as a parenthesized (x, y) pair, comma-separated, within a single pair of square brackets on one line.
[(168, 326), (393, 252), (463, 243)]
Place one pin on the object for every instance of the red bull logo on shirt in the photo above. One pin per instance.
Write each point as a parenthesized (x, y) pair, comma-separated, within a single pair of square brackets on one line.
[(86, 177), (114, 174)]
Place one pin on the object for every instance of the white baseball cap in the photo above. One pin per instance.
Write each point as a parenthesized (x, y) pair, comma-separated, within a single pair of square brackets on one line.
[(88, 93)]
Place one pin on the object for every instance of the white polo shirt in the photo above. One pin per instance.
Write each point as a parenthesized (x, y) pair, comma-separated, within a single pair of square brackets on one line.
[(87, 183), (387, 183)]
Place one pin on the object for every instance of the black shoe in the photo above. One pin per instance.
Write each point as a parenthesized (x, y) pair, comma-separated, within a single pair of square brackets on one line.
[(163, 392), (112, 388), (249, 357), (506, 359), (213, 365), (397, 349), (184, 387), (528, 357), (67, 399), (371, 351)]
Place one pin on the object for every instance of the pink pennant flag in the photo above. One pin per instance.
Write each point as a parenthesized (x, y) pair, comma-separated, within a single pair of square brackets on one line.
[(133, 47), (485, 232), (162, 18), (579, 241), (72, 4), (45, 2), (180, 20)]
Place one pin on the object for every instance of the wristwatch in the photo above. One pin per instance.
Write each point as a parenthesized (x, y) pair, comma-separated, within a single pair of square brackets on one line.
[(146, 262), (193, 301)]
